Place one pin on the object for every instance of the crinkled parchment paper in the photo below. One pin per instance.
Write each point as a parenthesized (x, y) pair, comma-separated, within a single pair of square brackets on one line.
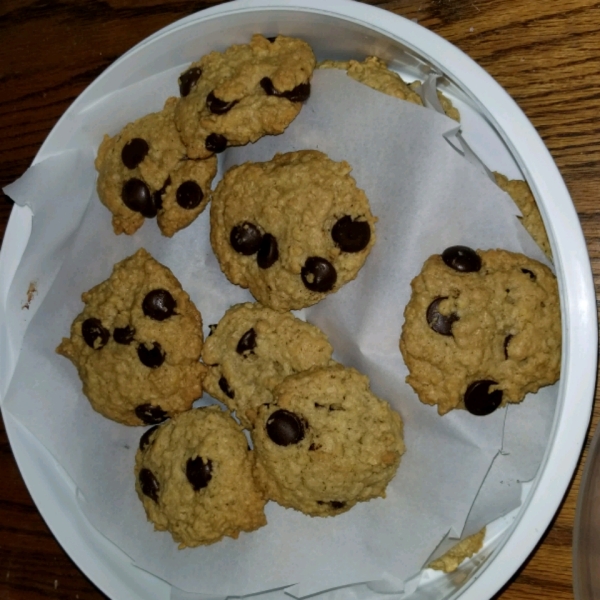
[(427, 197)]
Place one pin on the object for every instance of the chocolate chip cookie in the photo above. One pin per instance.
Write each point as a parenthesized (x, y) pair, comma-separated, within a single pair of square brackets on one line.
[(375, 73), (292, 229), (144, 172), (194, 477), (521, 194), (234, 97), (253, 349), (137, 344), (482, 328), (326, 442)]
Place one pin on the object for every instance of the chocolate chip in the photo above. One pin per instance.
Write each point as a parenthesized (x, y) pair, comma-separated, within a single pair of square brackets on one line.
[(318, 274), (151, 414), (530, 273), (245, 238), (134, 152), (298, 94), (440, 323), (124, 335), (506, 343), (336, 504), (145, 439), (462, 259), (95, 335), (224, 385), (268, 253), (189, 195), (272, 39), (153, 357), (137, 197), (198, 472), (218, 106), (478, 399), (267, 85), (247, 342), (159, 305), (188, 79), (216, 143), (350, 235), (211, 329), (285, 427), (149, 484)]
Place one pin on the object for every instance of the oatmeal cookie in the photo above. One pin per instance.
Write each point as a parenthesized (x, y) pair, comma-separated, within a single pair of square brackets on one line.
[(194, 478), (375, 73), (451, 560), (521, 194), (234, 97), (292, 229), (254, 348), (137, 344), (481, 329), (326, 442), (144, 172)]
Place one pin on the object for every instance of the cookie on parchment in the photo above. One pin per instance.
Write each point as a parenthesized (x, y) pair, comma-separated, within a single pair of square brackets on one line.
[(137, 344), (253, 349), (481, 329), (144, 172), (375, 73), (193, 475), (292, 229), (326, 442), (521, 194), (235, 97)]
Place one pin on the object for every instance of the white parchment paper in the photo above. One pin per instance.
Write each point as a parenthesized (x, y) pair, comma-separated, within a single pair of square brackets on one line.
[(427, 197)]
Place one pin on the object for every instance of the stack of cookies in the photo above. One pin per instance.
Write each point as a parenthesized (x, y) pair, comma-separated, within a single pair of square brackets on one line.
[(295, 426)]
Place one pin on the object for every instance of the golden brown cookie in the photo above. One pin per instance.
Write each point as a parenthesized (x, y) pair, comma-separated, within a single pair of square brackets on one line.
[(326, 442), (144, 172), (481, 329), (292, 229), (520, 192), (253, 349), (375, 73), (452, 559), (234, 97), (137, 344), (194, 477)]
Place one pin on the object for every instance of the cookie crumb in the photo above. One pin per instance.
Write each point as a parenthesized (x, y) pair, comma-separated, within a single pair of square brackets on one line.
[(31, 292), (466, 548)]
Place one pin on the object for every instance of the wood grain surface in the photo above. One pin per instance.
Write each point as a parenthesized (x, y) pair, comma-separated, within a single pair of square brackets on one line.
[(546, 54)]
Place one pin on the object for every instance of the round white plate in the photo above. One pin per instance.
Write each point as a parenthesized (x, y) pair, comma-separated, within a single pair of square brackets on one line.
[(492, 124)]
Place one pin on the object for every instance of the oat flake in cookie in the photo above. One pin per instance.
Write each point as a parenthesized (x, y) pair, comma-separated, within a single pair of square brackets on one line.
[(144, 172), (234, 97), (327, 442), (292, 229), (194, 476), (137, 344), (481, 329), (253, 349)]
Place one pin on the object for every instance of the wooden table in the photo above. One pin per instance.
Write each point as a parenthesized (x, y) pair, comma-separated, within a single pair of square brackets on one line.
[(547, 55)]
